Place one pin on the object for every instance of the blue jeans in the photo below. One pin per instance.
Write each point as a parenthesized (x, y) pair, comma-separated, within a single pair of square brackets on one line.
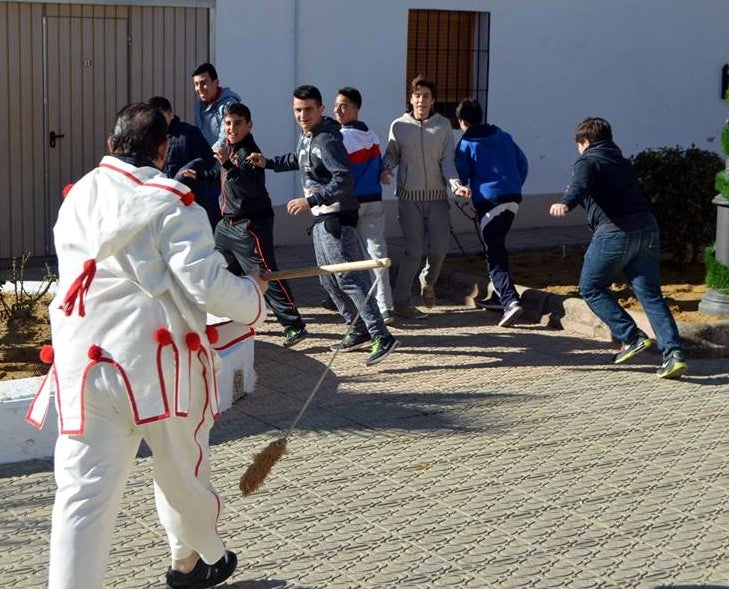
[(637, 255), (348, 290)]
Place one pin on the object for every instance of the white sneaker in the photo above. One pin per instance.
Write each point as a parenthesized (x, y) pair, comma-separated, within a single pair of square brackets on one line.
[(512, 312)]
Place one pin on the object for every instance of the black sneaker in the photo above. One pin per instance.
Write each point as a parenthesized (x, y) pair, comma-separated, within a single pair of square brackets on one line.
[(511, 314), (293, 336), (351, 342), (427, 294), (409, 312), (627, 351), (203, 575), (388, 317), (673, 367), (489, 304), (329, 305), (381, 348)]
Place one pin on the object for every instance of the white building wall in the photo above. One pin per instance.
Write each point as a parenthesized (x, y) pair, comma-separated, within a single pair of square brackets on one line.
[(652, 67)]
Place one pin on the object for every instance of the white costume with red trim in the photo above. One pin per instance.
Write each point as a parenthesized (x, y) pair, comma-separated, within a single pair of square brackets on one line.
[(137, 274)]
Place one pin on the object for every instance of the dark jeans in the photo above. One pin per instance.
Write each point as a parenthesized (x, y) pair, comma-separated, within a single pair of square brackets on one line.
[(250, 243), (635, 253), (497, 258), (347, 289)]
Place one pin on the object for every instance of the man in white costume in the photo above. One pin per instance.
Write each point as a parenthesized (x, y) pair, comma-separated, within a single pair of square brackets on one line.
[(132, 358)]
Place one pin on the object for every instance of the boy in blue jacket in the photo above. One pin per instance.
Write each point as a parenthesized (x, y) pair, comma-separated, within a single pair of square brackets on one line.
[(625, 240), (494, 166)]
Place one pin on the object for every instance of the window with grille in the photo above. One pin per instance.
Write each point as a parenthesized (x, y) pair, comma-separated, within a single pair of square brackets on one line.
[(451, 48)]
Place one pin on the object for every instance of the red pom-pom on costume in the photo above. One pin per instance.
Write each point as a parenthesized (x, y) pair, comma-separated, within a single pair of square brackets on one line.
[(95, 353), (46, 354), (66, 190), (193, 341), (163, 336), (212, 332), (188, 199)]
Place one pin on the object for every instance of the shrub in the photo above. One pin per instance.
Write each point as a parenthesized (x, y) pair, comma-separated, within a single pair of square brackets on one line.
[(717, 275), (679, 184)]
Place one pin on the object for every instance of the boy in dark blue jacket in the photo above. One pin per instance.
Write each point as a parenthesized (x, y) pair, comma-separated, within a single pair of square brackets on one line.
[(245, 233), (490, 161), (625, 240)]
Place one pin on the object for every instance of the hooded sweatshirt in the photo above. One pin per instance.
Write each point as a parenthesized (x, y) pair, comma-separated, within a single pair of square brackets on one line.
[(488, 159), (209, 115), (423, 153), (326, 177), (604, 183)]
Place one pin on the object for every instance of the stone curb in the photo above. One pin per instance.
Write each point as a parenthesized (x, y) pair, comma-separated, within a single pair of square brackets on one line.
[(701, 340)]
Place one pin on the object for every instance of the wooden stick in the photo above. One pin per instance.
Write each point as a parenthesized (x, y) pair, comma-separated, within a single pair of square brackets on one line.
[(327, 269)]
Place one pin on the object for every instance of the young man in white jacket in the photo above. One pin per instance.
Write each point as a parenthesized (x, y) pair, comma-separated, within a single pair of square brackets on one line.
[(132, 358), (421, 146)]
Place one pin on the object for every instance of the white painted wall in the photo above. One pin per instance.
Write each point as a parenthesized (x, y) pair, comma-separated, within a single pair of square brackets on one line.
[(652, 67)]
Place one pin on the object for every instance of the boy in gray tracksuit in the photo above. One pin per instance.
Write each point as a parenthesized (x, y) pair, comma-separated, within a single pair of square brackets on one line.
[(327, 181), (421, 146)]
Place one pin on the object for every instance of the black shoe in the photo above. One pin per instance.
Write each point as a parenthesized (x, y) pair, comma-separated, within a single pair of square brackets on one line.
[(489, 304), (409, 312), (673, 367), (329, 305), (203, 575), (351, 342), (293, 336), (381, 348), (511, 314), (388, 317), (627, 351)]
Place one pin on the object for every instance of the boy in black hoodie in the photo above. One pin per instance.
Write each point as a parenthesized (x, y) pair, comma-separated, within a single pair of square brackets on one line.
[(245, 233), (625, 240), (327, 182)]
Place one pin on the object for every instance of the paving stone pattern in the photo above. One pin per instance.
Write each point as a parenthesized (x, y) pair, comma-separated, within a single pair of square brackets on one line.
[(474, 456)]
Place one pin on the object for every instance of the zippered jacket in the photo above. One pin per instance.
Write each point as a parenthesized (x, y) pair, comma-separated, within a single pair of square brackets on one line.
[(326, 177), (244, 194), (365, 160), (423, 152)]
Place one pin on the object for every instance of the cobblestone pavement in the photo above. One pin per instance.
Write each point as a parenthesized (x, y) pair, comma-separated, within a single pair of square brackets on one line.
[(474, 456)]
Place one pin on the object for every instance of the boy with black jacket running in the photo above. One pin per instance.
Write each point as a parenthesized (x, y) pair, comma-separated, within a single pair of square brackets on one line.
[(245, 233), (327, 182), (625, 240)]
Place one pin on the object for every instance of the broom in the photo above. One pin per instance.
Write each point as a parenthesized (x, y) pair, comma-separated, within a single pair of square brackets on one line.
[(264, 461)]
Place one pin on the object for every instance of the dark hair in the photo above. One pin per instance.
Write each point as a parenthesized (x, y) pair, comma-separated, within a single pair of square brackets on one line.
[(308, 92), (351, 94), (139, 130), (421, 80), (161, 103), (593, 129), (470, 111), (237, 109), (206, 68)]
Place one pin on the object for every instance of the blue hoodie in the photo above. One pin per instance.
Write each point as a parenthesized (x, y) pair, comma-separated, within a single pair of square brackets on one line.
[(209, 116), (491, 162)]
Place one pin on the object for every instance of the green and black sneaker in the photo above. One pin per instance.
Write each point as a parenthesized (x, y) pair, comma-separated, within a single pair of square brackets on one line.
[(627, 351), (673, 366)]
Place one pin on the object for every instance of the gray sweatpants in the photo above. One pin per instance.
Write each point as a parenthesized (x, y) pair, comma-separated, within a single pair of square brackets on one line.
[(426, 229)]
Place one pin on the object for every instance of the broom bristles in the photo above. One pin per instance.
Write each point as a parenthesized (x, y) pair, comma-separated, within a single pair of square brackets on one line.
[(260, 467)]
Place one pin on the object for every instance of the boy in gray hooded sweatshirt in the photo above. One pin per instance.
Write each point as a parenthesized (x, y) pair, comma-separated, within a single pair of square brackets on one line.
[(422, 148)]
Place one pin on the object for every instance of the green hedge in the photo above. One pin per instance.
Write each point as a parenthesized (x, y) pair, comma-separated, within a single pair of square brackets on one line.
[(679, 184)]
